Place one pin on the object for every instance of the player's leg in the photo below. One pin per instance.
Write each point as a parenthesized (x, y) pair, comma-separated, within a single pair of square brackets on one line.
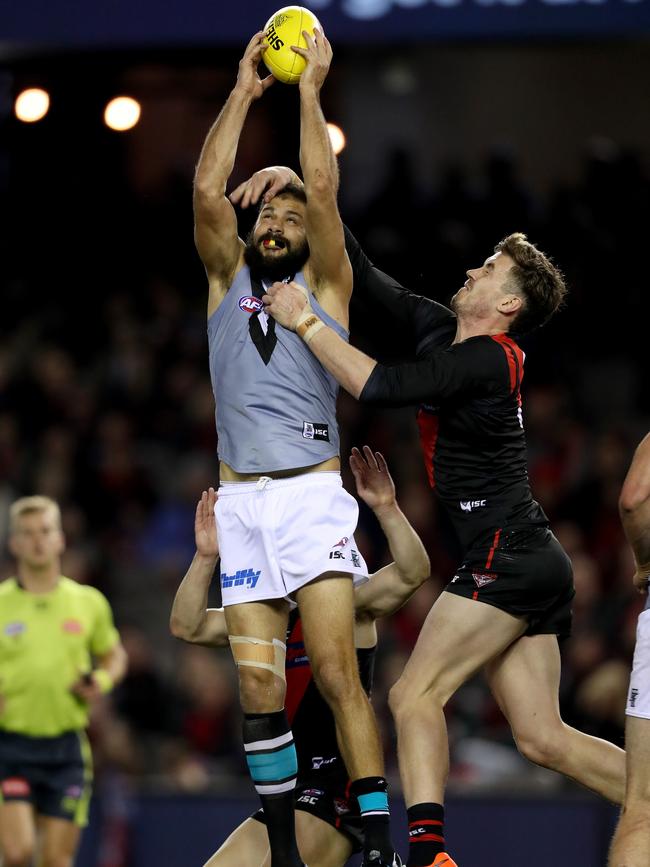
[(458, 637), (248, 844), (534, 716), (327, 613), (59, 841), (17, 833), (257, 632), (261, 688), (320, 844), (631, 846)]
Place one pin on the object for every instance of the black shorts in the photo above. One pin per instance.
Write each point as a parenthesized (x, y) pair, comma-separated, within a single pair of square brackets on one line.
[(328, 799), (53, 774), (525, 572)]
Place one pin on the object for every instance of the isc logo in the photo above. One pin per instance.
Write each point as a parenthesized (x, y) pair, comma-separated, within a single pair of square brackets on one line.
[(250, 304), (470, 505), (273, 39)]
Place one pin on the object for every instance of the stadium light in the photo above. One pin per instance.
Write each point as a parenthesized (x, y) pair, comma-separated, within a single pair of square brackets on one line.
[(337, 137), (122, 113), (32, 104)]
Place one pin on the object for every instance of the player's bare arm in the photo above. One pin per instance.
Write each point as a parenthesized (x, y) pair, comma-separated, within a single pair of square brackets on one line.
[(634, 506), (440, 375), (289, 306), (191, 620), (329, 268), (215, 222), (392, 586)]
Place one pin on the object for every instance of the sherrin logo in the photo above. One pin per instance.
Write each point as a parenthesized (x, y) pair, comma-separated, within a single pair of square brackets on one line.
[(250, 304)]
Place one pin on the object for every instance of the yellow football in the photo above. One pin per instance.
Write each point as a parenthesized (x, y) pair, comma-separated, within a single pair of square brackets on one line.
[(282, 30)]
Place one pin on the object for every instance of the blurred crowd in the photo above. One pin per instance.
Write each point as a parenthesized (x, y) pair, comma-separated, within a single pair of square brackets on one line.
[(106, 405)]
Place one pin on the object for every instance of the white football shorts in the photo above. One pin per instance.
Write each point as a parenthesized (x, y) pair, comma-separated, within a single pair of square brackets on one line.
[(638, 697), (276, 535)]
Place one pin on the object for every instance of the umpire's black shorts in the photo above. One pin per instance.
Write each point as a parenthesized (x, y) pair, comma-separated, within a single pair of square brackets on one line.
[(53, 774), (525, 572)]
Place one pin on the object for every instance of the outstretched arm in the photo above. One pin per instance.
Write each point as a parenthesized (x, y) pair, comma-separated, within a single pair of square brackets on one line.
[(393, 585), (465, 367), (634, 507), (328, 262), (215, 222), (191, 619), (431, 324)]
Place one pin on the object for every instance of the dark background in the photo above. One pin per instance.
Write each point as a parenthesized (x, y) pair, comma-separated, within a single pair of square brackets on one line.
[(105, 400)]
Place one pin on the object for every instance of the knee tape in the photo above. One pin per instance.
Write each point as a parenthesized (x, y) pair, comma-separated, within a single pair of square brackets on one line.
[(259, 653)]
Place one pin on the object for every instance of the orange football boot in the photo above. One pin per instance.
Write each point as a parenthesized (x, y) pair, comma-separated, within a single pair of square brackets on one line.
[(443, 860)]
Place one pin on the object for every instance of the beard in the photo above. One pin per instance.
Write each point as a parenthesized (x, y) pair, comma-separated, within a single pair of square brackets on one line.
[(274, 267)]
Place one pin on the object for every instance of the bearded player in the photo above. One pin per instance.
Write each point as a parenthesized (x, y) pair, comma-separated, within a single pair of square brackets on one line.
[(286, 526)]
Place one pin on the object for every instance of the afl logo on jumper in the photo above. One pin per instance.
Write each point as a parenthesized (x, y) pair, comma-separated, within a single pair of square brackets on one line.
[(250, 304)]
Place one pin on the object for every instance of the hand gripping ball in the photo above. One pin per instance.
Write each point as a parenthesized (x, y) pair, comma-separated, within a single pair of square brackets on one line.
[(282, 30)]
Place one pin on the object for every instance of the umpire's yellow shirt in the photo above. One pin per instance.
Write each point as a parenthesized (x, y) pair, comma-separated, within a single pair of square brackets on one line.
[(47, 640)]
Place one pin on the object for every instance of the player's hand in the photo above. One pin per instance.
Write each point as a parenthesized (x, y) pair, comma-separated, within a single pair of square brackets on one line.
[(318, 55), (205, 525), (286, 303), (374, 483), (248, 79), (266, 183), (640, 580), (86, 687)]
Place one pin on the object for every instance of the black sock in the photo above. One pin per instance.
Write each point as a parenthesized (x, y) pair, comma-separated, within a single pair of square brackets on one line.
[(273, 765), (426, 833), (372, 795)]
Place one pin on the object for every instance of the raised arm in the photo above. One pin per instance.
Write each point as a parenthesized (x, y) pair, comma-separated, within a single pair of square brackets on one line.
[(329, 266), (634, 507), (215, 222), (430, 324), (191, 619), (393, 585), (472, 366)]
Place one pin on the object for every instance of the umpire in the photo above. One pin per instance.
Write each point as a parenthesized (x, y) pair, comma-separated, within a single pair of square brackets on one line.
[(59, 650)]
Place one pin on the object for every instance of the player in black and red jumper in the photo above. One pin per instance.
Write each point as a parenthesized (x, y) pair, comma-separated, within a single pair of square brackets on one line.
[(329, 827), (510, 598)]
